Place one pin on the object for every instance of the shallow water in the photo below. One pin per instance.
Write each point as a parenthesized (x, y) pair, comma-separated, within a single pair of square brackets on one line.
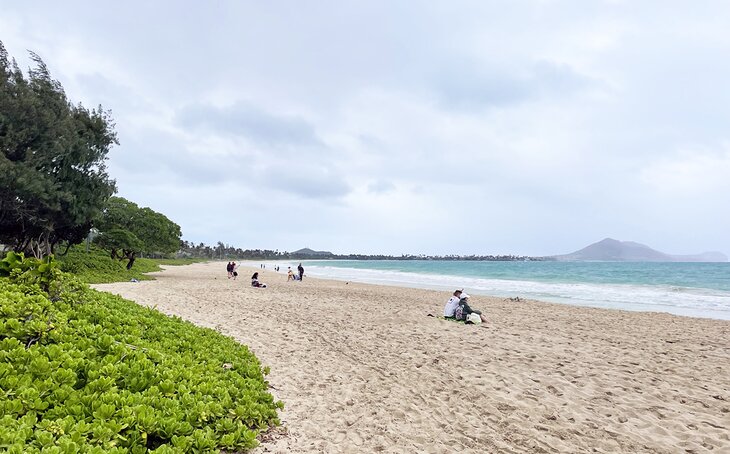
[(692, 289)]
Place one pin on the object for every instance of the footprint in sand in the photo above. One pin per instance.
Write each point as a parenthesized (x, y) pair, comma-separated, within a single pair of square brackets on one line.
[(554, 391), (339, 437), (355, 438)]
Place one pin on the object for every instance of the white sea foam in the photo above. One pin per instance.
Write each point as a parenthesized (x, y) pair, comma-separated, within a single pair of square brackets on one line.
[(671, 299)]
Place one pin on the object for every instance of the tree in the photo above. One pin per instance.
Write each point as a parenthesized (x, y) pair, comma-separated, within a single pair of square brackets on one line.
[(126, 230), (53, 179)]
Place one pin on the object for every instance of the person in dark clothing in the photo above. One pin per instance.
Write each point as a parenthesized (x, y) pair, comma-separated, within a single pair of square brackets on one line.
[(300, 268), (466, 309), (255, 281)]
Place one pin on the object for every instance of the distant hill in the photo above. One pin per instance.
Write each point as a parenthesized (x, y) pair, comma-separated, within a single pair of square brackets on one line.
[(610, 250), (310, 253)]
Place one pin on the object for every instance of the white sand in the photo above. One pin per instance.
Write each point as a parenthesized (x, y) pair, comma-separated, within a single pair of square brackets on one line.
[(362, 368)]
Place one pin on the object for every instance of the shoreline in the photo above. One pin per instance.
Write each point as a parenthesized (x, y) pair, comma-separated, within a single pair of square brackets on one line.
[(362, 368), (631, 297)]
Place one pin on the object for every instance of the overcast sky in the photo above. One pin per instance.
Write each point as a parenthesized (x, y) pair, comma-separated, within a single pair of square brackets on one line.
[(455, 127)]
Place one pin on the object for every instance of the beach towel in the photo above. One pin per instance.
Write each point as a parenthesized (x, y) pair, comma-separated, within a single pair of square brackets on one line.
[(449, 319)]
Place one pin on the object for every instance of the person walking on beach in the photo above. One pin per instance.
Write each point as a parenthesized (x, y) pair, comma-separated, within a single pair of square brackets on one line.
[(300, 268), (234, 269), (290, 275), (229, 268)]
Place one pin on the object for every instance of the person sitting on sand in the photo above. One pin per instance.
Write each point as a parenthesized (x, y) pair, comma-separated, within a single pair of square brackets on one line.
[(466, 310), (255, 281), (451, 304)]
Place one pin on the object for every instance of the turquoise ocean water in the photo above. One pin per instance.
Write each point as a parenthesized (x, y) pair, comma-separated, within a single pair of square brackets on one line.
[(691, 289)]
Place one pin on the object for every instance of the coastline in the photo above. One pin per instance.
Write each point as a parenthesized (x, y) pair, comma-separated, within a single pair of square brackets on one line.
[(661, 289), (362, 368)]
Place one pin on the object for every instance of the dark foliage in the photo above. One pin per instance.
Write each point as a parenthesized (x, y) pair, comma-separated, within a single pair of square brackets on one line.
[(53, 176)]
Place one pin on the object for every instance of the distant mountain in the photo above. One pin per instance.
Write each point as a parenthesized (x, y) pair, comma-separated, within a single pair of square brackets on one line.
[(310, 253), (610, 250)]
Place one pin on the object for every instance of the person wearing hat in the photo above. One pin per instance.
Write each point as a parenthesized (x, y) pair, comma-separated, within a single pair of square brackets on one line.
[(452, 303), (466, 309)]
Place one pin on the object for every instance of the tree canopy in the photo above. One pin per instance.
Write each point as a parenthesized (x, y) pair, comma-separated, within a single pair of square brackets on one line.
[(126, 230), (52, 165)]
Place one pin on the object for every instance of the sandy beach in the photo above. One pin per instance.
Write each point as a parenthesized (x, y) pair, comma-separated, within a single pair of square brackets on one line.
[(363, 368)]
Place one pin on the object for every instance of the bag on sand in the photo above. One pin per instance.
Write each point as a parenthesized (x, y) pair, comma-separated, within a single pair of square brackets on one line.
[(473, 318)]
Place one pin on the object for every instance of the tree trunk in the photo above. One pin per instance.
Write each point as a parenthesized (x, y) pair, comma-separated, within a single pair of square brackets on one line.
[(132, 258)]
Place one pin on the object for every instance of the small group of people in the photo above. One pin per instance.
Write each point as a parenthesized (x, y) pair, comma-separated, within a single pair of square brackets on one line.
[(232, 270), (263, 267), (291, 276), (457, 308)]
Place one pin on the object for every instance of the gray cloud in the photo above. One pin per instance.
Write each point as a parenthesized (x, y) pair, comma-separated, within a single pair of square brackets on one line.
[(151, 154), (381, 187), (304, 180), (466, 85), (550, 124), (250, 122)]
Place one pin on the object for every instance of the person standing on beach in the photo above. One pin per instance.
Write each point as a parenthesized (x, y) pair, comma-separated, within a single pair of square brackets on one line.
[(289, 275), (300, 268), (229, 268)]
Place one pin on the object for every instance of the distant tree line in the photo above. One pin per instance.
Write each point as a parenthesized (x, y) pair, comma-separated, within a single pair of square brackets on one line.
[(223, 251), (54, 187)]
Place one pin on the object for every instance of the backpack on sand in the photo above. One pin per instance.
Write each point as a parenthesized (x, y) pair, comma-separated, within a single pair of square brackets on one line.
[(459, 313)]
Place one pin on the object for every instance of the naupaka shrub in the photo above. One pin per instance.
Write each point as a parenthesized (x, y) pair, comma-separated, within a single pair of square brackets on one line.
[(90, 372)]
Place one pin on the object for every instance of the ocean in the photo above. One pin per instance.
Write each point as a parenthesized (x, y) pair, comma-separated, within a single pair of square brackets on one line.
[(690, 289)]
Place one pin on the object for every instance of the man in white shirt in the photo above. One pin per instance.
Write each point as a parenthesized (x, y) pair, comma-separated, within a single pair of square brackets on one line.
[(452, 303)]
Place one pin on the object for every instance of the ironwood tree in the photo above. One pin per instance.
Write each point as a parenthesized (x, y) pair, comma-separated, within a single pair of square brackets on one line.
[(53, 178)]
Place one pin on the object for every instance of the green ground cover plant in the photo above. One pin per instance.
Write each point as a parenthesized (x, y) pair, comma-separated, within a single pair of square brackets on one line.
[(83, 371), (179, 262), (97, 267)]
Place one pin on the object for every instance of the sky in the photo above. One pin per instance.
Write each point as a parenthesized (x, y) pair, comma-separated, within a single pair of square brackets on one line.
[(404, 127)]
